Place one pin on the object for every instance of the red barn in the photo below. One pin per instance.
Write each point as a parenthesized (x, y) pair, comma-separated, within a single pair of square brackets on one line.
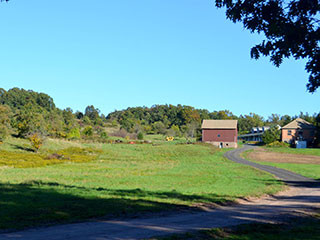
[(221, 133)]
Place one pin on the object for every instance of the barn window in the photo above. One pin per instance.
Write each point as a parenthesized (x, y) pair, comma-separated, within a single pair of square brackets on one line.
[(289, 132), (218, 135)]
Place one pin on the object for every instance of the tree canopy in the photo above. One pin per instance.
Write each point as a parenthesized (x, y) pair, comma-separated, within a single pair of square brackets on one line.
[(24, 113), (291, 28)]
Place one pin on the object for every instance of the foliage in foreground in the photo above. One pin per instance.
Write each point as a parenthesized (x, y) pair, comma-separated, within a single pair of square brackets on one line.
[(291, 28)]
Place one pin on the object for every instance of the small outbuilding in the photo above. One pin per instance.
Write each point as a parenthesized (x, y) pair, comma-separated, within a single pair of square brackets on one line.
[(221, 133)]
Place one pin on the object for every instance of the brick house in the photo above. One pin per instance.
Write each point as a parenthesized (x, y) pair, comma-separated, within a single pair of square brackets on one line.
[(221, 133), (298, 129)]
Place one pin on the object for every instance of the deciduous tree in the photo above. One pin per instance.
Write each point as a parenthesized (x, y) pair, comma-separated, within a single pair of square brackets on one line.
[(291, 29), (271, 135)]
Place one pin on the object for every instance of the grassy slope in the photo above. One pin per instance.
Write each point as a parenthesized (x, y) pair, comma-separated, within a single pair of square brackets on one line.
[(125, 179), (307, 170)]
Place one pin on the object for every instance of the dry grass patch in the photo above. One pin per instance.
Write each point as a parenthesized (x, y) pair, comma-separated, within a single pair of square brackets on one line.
[(264, 155)]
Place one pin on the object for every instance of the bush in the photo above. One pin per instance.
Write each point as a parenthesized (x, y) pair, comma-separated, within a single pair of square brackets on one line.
[(3, 133), (176, 130), (103, 135), (88, 131), (120, 133), (73, 134), (199, 137), (140, 136), (159, 127), (271, 135), (278, 144), (36, 141)]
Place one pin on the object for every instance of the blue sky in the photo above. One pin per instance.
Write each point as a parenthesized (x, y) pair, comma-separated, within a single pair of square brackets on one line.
[(120, 53)]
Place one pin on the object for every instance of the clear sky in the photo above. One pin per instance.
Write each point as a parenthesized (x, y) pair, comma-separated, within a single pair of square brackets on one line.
[(116, 54)]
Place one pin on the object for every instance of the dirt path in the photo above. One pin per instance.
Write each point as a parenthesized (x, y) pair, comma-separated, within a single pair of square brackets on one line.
[(302, 197)]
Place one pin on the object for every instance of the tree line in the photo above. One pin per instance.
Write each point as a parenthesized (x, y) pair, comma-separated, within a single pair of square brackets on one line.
[(26, 112), (186, 120)]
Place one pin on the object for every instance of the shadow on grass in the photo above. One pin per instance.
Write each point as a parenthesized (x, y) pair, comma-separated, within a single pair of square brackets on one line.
[(38, 203), (299, 228), (23, 148), (26, 205), (174, 195), (311, 183)]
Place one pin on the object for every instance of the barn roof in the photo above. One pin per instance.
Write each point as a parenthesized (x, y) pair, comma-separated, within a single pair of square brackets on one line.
[(219, 124), (299, 123)]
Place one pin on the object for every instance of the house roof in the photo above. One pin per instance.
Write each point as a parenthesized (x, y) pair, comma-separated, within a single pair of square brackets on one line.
[(299, 123), (219, 124)]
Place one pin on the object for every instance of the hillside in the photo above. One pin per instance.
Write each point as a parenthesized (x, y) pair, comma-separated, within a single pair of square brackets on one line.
[(26, 112)]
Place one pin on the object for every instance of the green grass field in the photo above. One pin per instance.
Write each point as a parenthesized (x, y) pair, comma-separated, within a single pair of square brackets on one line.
[(307, 170), (122, 180)]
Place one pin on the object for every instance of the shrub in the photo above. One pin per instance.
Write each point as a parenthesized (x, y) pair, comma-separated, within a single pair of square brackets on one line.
[(140, 136), (104, 135), (120, 133), (278, 144), (199, 137), (74, 134), (36, 141), (3, 133), (159, 127), (271, 135), (148, 129), (88, 131), (176, 130)]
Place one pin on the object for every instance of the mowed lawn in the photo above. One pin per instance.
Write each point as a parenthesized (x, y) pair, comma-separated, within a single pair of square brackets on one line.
[(123, 181), (307, 170), (310, 170)]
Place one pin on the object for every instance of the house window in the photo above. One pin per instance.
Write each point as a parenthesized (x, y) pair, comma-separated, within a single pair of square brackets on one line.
[(289, 132), (218, 135)]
